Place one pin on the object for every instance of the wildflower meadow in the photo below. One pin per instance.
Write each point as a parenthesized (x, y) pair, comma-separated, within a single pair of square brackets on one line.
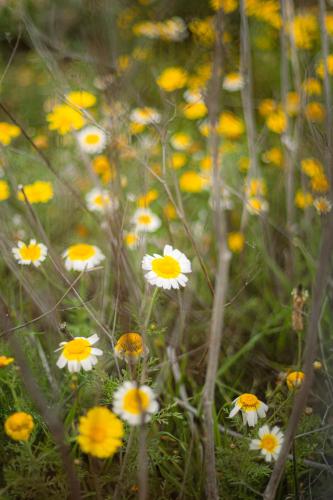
[(166, 241)]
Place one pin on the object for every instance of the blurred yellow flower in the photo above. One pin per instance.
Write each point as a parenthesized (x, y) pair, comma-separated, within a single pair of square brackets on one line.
[(81, 98), (130, 346), (312, 167), (19, 426), (181, 141), (131, 240), (294, 379), (256, 187), (172, 78), (230, 125), (195, 110), (256, 206), (227, 5), (236, 242), (145, 200), (5, 361), (203, 30), (102, 167), (100, 432), (305, 30), (265, 10), (303, 199), (277, 121), (329, 24), (65, 119), (205, 163), (315, 112), (320, 66), (312, 86), (293, 103), (192, 182), (273, 156), (267, 107), (170, 211), (322, 205), (8, 132), (41, 141), (178, 160), (320, 184), (244, 163), (37, 192), (4, 190)]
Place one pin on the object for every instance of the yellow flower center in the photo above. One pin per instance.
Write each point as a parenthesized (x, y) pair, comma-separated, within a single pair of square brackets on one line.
[(248, 402), (135, 401), (77, 350), (166, 267), (98, 433), (144, 219), (31, 252), (130, 344), (92, 138), (269, 442), (81, 251)]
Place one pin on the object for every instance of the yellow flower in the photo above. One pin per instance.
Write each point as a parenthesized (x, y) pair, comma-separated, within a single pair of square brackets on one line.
[(320, 184), (251, 408), (305, 30), (227, 5), (322, 205), (4, 190), (178, 160), (267, 107), (130, 346), (41, 141), (181, 141), (5, 361), (34, 253), (293, 103), (256, 205), (274, 156), (265, 10), (244, 163), (65, 119), (100, 432), (136, 128), (145, 200), (81, 98), (230, 126), (192, 182), (206, 163), (294, 379), (315, 112), (19, 426), (320, 67), (236, 242), (38, 192), (8, 132), (303, 199), (135, 404), (329, 24), (195, 110), (256, 187), (269, 442), (203, 30), (102, 167), (131, 240), (312, 86), (277, 121), (170, 211), (172, 78), (312, 167)]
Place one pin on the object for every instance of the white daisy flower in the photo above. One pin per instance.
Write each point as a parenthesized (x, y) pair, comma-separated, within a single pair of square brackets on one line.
[(82, 256), (135, 404), (99, 200), (269, 442), (250, 407), (79, 353), (192, 96), (145, 220), (233, 82), (92, 140), (167, 271), (145, 116), (34, 253)]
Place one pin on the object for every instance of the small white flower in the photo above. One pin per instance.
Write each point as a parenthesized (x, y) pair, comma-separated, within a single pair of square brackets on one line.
[(135, 404), (233, 82), (250, 407), (82, 256), (167, 271), (145, 116), (145, 220), (269, 442), (34, 253), (79, 353), (92, 140), (99, 200), (192, 96)]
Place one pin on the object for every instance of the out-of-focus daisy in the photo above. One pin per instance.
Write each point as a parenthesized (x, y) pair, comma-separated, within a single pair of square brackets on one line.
[(102, 167), (233, 82), (19, 426), (195, 110), (251, 408), (81, 98), (130, 346), (322, 205), (145, 220), (181, 141), (99, 200), (92, 139), (64, 119), (5, 361), (8, 132), (236, 242), (172, 78), (269, 442), (167, 271), (82, 256), (256, 205), (192, 96), (100, 432), (294, 379), (131, 240), (37, 192), (230, 126), (135, 404), (34, 253), (79, 353), (192, 182), (145, 116), (303, 199)]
